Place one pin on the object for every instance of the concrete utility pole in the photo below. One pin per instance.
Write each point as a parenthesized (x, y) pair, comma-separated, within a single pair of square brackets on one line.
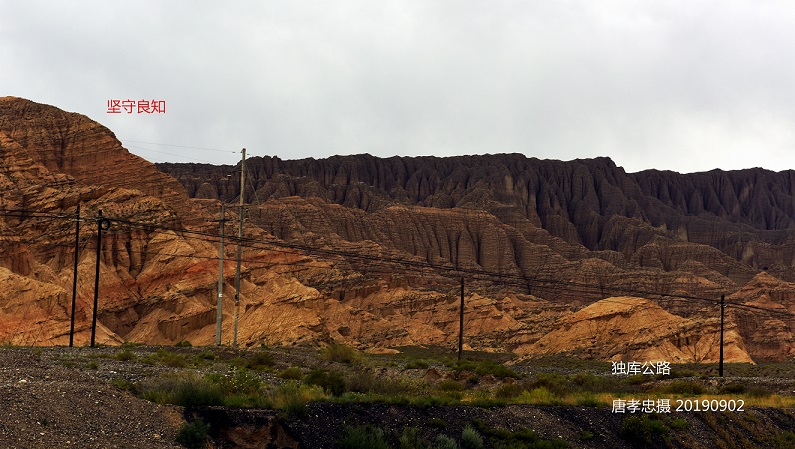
[(102, 223), (220, 314), (239, 243), (74, 279)]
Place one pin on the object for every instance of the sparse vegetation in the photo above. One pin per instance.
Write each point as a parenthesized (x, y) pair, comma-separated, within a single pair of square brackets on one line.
[(291, 373), (471, 439), (331, 382), (193, 435), (340, 354), (250, 378), (639, 430), (363, 437)]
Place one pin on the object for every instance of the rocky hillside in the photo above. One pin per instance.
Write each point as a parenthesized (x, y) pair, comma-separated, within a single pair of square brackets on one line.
[(576, 231), (369, 251)]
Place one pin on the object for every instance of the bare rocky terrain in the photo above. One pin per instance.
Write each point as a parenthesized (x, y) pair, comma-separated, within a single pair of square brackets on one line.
[(44, 404)]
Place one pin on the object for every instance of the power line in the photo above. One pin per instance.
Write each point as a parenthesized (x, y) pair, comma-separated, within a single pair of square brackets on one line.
[(180, 146), (518, 280)]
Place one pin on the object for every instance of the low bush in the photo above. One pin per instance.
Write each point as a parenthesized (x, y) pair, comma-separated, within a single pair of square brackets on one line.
[(292, 397), (683, 387), (445, 442), (450, 385), (417, 364), (366, 381), (497, 370), (526, 438), (193, 435), (639, 430), (555, 383), (331, 382), (291, 373), (206, 355), (410, 439), (508, 391), (260, 361), (363, 437), (185, 390), (125, 355), (238, 381), (758, 392), (538, 396), (341, 354), (471, 439)]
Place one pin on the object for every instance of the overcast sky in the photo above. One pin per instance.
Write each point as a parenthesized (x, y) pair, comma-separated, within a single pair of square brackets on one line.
[(677, 85)]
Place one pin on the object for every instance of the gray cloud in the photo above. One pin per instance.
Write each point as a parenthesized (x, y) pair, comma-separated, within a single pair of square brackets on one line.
[(686, 86)]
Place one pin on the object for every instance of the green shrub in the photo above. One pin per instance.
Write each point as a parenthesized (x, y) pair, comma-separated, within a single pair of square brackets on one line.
[(445, 442), (331, 382), (239, 381), (471, 439), (508, 391), (260, 361), (639, 430), (292, 373), (450, 385), (341, 354), (732, 388), (181, 390), (684, 387), (206, 355), (183, 344), (758, 392), (417, 364), (785, 440), (586, 435), (193, 435), (538, 396), (679, 424), (292, 397), (169, 358), (366, 381), (125, 355), (465, 365), (363, 437), (410, 439), (525, 439), (437, 422), (497, 370), (125, 384), (554, 383), (588, 399)]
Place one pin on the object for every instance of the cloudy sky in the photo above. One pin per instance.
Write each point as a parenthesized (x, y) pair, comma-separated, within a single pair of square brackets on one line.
[(678, 85)]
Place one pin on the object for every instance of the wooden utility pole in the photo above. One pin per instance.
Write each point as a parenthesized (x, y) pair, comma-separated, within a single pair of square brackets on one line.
[(239, 243), (74, 278), (220, 314)]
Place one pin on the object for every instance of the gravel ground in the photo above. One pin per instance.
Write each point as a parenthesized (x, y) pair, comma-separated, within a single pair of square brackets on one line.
[(55, 397), (46, 405)]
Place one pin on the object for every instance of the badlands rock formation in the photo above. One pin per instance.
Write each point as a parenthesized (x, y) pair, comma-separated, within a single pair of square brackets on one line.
[(369, 251)]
